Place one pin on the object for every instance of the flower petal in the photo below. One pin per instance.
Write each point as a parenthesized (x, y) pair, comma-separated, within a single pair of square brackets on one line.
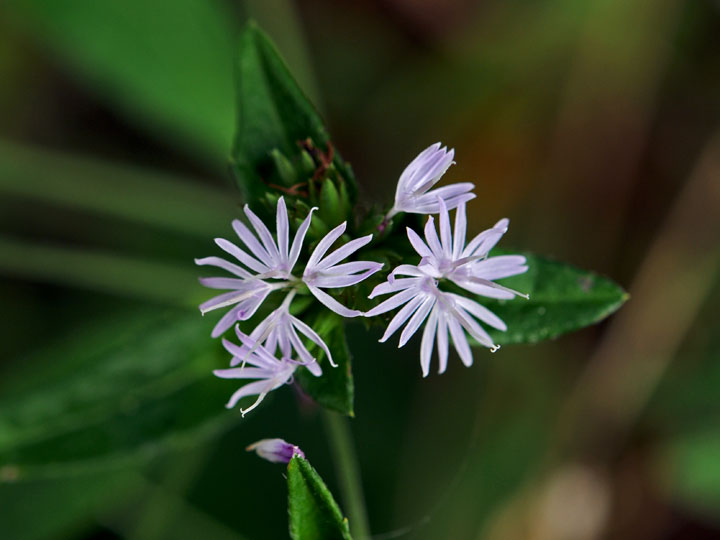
[(325, 244), (428, 340), (298, 240), (333, 304), (417, 319), (282, 228)]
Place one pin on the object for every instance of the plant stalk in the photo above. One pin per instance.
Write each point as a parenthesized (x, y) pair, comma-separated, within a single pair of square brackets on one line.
[(348, 473)]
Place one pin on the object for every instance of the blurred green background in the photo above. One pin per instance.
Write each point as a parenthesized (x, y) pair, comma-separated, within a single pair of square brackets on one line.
[(592, 125)]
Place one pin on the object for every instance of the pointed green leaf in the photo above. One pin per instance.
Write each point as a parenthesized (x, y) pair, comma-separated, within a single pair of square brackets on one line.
[(314, 514), (273, 113), (334, 389), (562, 299), (113, 394)]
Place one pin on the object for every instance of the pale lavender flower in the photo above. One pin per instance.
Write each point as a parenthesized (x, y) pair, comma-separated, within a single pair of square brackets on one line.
[(420, 175), (267, 259), (280, 330), (276, 450), (445, 313), (468, 266), (270, 372), (323, 271)]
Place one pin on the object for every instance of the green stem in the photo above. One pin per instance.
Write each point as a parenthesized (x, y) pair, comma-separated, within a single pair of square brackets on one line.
[(348, 472)]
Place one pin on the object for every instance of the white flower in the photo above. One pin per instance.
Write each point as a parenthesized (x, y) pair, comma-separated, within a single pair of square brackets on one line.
[(468, 266), (324, 272), (269, 264), (270, 372), (269, 260), (420, 175), (445, 312), (280, 330)]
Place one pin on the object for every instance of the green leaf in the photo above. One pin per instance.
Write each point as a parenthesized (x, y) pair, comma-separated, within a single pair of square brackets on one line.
[(168, 67), (562, 299), (314, 514), (112, 395), (334, 389), (273, 113)]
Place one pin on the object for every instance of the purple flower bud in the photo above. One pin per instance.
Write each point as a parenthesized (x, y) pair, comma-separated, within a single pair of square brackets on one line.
[(276, 450)]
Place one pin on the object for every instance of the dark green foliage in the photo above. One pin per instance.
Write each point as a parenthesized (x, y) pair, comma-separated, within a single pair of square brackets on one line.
[(314, 514)]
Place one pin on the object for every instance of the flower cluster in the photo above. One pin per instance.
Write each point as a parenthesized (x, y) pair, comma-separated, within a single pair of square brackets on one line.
[(271, 353), (267, 266), (468, 267)]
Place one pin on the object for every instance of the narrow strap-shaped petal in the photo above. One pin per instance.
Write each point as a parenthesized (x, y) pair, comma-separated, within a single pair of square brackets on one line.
[(300, 348), (445, 236), (500, 267), (432, 238), (401, 316), (225, 323), (225, 265), (396, 285), (393, 302), (460, 230), (325, 244), (473, 328), (416, 320), (483, 290), (460, 341), (229, 283), (490, 237), (343, 252), (314, 337), (241, 256), (428, 340), (442, 339), (241, 352), (257, 388), (412, 168), (282, 226), (480, 311), (423, 207), (407, 270), (243, 373), (338, 282), (493, 285), (249, 239), (333, 304), (298, 240), (352, 268), (264, 234), (418, 243), (434, 169), (221, 300)]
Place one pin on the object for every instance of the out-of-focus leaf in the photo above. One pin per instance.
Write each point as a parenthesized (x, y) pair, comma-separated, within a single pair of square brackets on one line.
[(67, 504), (168, 65), (334, 389), (562, 299), (273, 113), (690, 470), (166, 201), (148, 388), (314, 514)]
